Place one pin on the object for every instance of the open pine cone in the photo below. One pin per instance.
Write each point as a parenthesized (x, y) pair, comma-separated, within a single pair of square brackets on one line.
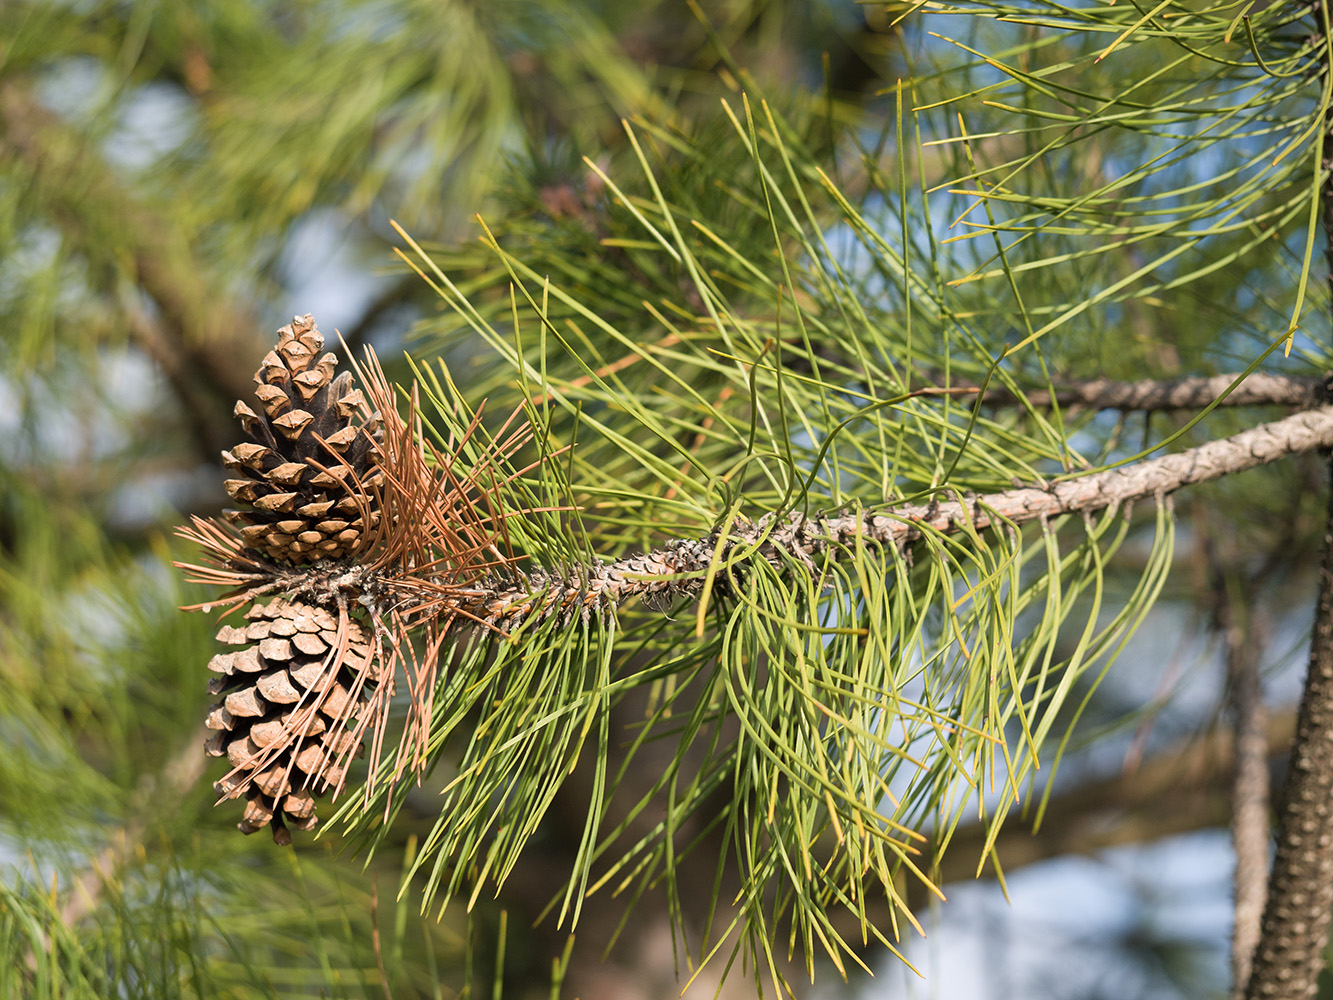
[(307, 472), (283, 723)]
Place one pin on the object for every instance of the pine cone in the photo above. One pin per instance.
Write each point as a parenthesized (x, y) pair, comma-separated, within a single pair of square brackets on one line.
[(308, 469), (291, 699)]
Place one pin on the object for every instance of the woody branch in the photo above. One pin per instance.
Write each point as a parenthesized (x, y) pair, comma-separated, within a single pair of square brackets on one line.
[(680, 567)]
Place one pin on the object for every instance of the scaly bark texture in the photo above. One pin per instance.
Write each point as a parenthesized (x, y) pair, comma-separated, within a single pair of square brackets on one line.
[(1300, 889)]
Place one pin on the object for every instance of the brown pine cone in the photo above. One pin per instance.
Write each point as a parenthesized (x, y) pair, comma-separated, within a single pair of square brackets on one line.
[(308, 471), (291, 699)]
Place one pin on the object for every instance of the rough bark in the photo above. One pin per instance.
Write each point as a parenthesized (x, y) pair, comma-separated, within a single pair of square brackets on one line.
[(1300, 890)]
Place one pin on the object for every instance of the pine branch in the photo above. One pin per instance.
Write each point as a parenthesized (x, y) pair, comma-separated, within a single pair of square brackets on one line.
[(680, 568), (431, 555), (1192, 393)]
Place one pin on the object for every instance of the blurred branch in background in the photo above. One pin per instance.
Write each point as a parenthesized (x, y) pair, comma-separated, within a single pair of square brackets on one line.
[(206, 349), (1251, 804)]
